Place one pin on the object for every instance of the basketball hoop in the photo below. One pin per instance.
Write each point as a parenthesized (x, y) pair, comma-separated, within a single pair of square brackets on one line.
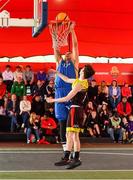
[(59, 31)]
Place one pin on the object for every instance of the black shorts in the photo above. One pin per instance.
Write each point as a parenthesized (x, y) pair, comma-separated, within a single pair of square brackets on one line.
[(75, 119)]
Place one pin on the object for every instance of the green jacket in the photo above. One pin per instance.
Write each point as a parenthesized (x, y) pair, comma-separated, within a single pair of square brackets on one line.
[(18, 89)]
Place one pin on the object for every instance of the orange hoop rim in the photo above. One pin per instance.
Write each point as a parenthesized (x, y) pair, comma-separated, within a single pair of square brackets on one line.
[(52, 22)]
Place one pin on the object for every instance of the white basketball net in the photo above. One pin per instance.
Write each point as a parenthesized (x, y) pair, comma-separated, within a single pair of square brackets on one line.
[(59, 33)]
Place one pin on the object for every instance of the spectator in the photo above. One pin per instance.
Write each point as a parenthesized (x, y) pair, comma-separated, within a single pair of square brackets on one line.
[(32, 126), (19, 74), (37, 106), (93, 124), (126, 92), (13, 112), (50, 74), (89, 108), (25, 107), (29, 79), (130, 129), (124, 125), (48, 125), (50, 90), (104, 116), (103, 92), (18, 88), (29, 75), (8, 77), (114, 94), (2, 110), (2, 91), (115, 128), (93, 91), (39, 89), (124, 108), (41, 75)]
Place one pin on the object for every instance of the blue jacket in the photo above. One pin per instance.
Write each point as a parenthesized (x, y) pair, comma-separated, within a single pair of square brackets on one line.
[(111, 91)]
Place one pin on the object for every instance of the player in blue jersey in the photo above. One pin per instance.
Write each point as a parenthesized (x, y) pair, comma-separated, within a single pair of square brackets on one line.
[(69, 67)]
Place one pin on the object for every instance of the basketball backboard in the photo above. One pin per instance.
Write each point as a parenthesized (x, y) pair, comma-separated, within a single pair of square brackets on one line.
[(40, 16), (38, 22)]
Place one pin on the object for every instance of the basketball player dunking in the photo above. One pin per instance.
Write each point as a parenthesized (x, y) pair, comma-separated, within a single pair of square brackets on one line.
[(67, 66)]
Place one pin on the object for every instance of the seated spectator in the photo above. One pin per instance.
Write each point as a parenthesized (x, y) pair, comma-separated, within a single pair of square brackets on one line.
[(104, 116), (124, 125), (2, 110), (13, 112), (50, 74), (29, 79), (48, 125), (103, 92), (126, 92), (19, 73), (25, 107), (41, 75), (8, 77), (39, 89), (93, 124), (18, 88), (50, 90), (114, 94), (130, 129), (2, 91), (93, 91), (37, 106), (89, 108), (124, 108), (32, 126), (115, 128)]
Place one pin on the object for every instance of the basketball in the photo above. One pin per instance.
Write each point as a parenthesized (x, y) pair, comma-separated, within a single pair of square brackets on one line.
[(62, 16)]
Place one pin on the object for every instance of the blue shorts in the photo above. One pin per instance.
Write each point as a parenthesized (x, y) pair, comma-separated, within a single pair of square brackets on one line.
[(61, 109)]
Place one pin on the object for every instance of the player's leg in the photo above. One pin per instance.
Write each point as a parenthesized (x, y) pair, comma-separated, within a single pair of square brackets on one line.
[(76, 158), (61, 113), (66, 157)]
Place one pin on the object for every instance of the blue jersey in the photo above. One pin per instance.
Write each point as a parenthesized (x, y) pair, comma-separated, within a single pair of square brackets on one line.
[(68, 70), (62, 88)]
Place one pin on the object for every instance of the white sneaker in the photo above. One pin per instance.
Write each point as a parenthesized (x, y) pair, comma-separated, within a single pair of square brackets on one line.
[(28, 141), (22, 126)]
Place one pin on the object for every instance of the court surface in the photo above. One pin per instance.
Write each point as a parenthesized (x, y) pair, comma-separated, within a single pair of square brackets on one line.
[(97, 163)]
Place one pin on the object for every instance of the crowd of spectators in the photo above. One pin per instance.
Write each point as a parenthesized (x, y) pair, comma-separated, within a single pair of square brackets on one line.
[(108, 108)]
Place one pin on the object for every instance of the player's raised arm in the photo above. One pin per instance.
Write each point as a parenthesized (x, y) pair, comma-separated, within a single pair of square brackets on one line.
[(75, 50), (58, 56), (65, 78)]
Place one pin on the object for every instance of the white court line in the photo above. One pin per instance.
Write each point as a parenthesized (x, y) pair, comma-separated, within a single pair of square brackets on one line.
[(66, 171), (60, 149), (58, 152), (71, 179)]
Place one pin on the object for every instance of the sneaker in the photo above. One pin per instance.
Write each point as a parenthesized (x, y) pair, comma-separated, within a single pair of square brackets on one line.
[(62, 162), (74, 163), (28, 141), (22, 126), (119, 142)]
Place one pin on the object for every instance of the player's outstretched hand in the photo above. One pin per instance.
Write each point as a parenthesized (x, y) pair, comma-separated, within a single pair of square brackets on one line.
[(50, 100)]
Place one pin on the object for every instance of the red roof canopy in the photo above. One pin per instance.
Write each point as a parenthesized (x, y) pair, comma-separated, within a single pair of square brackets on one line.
[(104, 28)]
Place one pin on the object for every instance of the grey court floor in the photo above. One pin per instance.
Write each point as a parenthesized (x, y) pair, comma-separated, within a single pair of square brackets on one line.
[(43, 159)]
